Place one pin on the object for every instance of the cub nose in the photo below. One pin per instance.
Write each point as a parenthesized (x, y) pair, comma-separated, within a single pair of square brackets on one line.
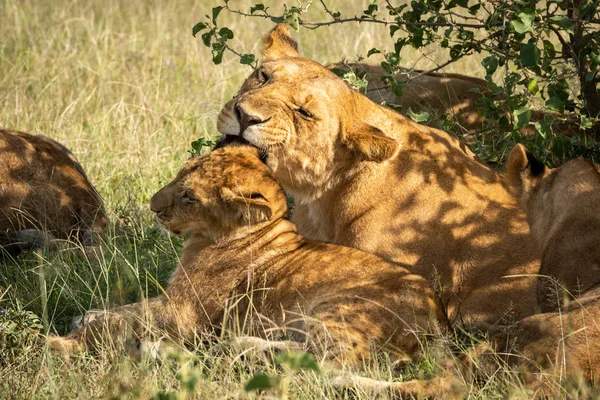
[(155, 203), (245, 119)]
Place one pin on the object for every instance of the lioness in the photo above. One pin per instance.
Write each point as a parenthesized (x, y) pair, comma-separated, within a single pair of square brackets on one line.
[(367, 177), (451, 95), (340, 300), (44, 193), (563, 206)]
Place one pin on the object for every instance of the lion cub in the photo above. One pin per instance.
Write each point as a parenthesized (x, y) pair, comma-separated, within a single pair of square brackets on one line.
[(243, 250)]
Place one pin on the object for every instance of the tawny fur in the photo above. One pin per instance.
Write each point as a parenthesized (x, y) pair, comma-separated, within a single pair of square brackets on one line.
[(44, 188), (563, 206), (425, 202), (341, 301)]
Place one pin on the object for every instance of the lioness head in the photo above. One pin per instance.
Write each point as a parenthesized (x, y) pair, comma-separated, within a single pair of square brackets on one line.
[(304, 116), (552, 194), (215, 194)]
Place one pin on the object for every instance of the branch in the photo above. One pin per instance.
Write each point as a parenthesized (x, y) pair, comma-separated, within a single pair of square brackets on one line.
[(253, 64), (315, 25), (421, 73), (327, 10)]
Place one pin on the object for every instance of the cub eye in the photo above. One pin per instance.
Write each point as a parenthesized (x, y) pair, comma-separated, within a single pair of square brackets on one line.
[(188, 197), (305, 114), (257, 196)]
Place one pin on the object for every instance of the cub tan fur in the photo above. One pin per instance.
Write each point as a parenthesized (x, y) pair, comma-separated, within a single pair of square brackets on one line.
[(367, 177), (44, 188), (340, 300)]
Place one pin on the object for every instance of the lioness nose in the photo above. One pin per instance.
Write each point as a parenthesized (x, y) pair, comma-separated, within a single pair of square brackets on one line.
[(245, 118)]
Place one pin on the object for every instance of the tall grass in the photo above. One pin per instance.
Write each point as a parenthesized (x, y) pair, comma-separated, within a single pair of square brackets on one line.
[(125, 86)]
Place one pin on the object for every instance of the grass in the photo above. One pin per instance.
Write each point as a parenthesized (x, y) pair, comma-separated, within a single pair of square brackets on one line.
[(125, 86)]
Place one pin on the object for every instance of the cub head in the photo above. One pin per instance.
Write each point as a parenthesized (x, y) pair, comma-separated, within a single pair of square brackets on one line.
[(214, 195), (551, 195), (306, 118)]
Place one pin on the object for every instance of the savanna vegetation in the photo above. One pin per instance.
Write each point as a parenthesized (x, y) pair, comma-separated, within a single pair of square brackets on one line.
[(127, 88)]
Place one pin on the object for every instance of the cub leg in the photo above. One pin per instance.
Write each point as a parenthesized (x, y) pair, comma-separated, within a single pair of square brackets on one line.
[(140, 322)]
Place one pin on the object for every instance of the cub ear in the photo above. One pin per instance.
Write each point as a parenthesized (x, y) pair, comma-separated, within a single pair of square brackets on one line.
[(251, 208), (279, 44), (521, 168), (370, 144)]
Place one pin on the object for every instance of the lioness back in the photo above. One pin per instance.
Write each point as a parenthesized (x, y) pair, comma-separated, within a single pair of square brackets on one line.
[(452, 96), (43, 187)]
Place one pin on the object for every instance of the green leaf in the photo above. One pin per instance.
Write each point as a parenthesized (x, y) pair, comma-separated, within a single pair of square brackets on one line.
[(490, 64), (524, 23), (217, 53), (215, 13), (590, 76), (473, 9), (261, 382), (394, 29), (226, 33), (530, 55), (373, 51), (555, 104), (549, 54), (563, 21), (206, 38), (544, 127), (247, 59), (561, 146), (521, 116), (257, 7), (198, 27), (455, 51), (298, 361), (421, 117), (587, 122), (559, 89), (293, 21), (532, 87), (339, 72)]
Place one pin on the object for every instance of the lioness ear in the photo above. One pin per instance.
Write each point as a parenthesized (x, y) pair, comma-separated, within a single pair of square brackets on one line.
[(252, 208), (521, 168), (370, 144), (279, 44)]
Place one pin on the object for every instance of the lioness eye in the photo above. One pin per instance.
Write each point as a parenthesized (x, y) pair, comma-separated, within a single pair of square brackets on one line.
[(305, 114), (262, 76), (188, 197)]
